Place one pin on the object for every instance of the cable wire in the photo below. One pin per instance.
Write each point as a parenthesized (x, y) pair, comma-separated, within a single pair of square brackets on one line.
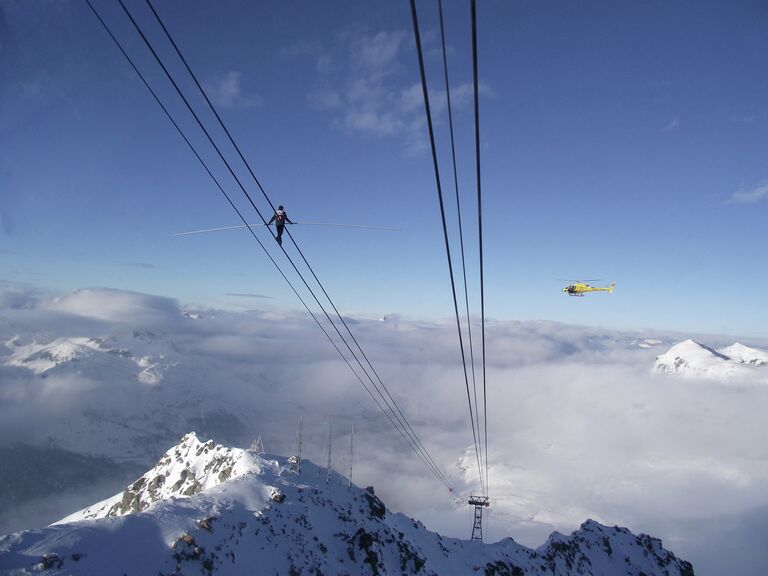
[(427, 460), (458, 213), (388, 400), (479, 217), (445, 226)]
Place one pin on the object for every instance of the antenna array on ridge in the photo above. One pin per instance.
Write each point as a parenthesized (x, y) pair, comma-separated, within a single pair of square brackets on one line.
[(295, 459)]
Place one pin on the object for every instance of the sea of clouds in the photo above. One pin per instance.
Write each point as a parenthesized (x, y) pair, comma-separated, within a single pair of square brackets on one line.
[(579, 426)]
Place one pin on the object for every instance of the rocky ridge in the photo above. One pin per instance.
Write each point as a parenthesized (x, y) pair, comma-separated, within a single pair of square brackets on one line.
[(238, 512)]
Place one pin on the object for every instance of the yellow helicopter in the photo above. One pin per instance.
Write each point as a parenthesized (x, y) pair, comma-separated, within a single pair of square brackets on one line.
[(580, 287)]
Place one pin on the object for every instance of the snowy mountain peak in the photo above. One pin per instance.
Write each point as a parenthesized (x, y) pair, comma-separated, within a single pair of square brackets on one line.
[(231, 512), (94, 355), (691, 359), (691, 347), (39, 358), (746, 354), (186, 469)]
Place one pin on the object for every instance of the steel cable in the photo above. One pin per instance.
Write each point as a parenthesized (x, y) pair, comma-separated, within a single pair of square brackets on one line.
[(427, 460), (445, 226)]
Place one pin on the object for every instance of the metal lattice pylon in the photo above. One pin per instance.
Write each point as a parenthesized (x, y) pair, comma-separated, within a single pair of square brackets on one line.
[(351, 449), (479, 502), (258, 445), (295, 459), (330, 439)]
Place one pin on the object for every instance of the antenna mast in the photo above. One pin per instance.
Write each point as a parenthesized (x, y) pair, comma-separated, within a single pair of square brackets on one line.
[(351, 449), (330, 438), (258, 445), (295, 460)]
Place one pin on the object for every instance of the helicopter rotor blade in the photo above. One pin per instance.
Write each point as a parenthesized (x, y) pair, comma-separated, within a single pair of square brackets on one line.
[(572, 280)]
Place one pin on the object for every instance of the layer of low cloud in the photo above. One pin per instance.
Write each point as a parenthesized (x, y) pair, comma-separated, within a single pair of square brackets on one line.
[(579, 427), (18, 295), (750, 196)]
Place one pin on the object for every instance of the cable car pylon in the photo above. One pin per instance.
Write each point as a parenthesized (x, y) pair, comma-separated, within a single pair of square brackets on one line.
[(479, 502)]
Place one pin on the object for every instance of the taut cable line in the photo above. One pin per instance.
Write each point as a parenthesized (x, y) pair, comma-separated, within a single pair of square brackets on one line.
[(458, 213), (404, 432), (479, 218), (445, 226), (388, 400)]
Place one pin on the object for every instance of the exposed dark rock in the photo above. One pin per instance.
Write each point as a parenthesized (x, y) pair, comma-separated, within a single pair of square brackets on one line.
[(50, 561), (375, 506), (207, 523), (500, 568)]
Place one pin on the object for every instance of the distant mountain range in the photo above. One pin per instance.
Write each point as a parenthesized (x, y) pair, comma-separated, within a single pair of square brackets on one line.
[(128, 407), (208, 509)]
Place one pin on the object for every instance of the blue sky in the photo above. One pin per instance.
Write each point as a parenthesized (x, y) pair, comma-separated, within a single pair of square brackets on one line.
[(621, 140)]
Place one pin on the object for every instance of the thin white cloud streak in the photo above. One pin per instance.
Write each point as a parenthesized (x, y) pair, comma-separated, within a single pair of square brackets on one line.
[(751, 196), (671, 126), (745, 118), (578, 425), (141, 265), (248, 295)]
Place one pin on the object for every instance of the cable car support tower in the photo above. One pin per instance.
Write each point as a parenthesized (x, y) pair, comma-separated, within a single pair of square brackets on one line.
[(479, 502), (482, 501)]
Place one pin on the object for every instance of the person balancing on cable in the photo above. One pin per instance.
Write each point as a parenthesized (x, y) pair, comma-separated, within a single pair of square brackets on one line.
[(280, 218)]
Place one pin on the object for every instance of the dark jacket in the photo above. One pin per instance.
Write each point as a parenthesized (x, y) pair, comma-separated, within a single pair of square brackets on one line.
[(280, 217)]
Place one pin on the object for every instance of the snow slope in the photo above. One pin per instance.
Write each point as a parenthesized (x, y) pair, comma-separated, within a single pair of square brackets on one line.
[(691, 359), (266, 519)]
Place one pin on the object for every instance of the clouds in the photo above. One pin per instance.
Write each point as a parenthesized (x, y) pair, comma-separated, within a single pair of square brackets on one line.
[(756, 194), (365, 89), (115, 306), (225, 90), (377, 54), (579, 426), (248, 295), (365, 83), (17, 295)]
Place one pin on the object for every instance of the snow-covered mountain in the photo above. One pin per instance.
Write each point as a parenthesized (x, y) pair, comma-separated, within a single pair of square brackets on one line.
[(745, 354), (691, 359), (135, 390), (41, 357), (236, 512), (186, 469)]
